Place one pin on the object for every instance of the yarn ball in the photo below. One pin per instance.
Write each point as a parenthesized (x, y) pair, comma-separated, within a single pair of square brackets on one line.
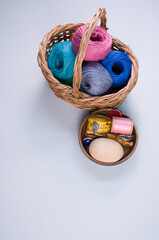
[(61, 61), (118, 65), (99, 44), (96, 80)]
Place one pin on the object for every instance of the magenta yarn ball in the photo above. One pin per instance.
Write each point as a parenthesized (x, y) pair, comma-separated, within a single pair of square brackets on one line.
[(99, 44)]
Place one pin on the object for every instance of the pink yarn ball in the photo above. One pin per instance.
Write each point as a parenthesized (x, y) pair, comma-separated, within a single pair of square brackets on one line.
[(99, 44)]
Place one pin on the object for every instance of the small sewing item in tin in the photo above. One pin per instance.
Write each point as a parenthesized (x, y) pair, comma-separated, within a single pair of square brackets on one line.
[(98, 125), (123, 141)]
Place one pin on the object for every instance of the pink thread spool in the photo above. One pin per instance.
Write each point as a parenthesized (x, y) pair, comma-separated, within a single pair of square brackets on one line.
[(122, 125), (99, 44)]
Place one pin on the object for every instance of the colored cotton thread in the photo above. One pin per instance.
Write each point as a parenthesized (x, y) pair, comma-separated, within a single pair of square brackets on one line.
[(99, 44), (61, 62), (96, 80), (122, 125), (98, 125), (118, 65)]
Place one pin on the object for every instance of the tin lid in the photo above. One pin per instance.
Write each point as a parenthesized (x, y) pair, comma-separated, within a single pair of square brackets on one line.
[(127, 151)]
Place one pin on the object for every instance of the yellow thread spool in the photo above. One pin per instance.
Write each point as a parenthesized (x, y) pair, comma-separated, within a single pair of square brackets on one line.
[(98, 125)]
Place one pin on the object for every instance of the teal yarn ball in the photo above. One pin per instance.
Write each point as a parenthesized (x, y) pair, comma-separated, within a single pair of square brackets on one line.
[(118, 65), (96, 80), (61, 61), (68, 81)]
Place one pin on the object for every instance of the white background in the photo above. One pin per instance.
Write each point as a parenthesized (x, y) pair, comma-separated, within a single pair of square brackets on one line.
[(48, 188)]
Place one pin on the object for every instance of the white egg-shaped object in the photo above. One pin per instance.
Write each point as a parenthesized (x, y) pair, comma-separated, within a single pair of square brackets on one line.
[(106, 150)]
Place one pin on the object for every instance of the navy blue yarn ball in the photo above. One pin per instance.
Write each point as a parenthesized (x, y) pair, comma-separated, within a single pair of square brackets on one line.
[(96, 80), (118, 65)]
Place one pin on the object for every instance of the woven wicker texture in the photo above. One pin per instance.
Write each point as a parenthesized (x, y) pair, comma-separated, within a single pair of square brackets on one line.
[(73, 95)]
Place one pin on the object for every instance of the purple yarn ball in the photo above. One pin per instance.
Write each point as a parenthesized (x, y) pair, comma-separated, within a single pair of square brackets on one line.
[(96, 80)]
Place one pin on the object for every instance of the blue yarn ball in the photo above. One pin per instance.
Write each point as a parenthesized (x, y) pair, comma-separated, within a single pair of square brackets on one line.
[(61, 61), (96, 80), (118, 65)]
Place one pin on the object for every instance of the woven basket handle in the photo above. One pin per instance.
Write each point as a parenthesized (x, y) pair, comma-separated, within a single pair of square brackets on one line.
[(77, 74)]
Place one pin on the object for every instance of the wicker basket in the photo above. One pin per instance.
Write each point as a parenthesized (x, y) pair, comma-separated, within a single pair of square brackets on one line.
[(73, 95)]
